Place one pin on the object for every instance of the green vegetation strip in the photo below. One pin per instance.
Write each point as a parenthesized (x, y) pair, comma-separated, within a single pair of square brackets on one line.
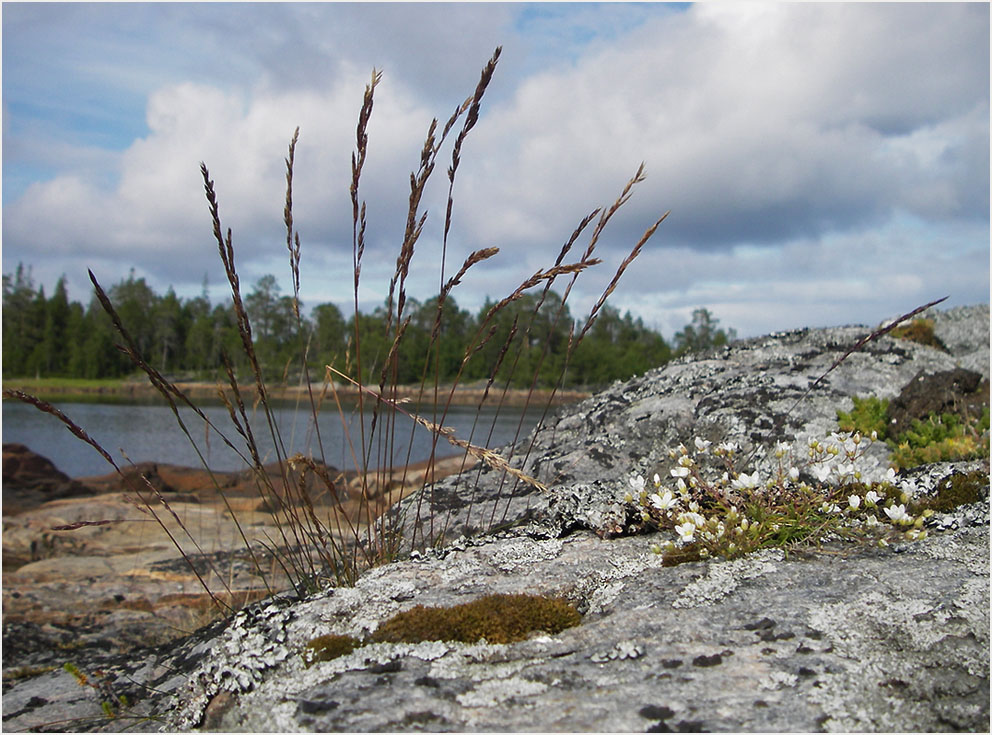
[(498, 618)]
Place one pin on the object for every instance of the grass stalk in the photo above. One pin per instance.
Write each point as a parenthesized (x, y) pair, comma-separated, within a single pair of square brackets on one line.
[(329, 528)]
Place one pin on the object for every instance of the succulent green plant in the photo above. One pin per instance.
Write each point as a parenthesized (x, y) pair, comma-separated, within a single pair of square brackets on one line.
[(940, 438)]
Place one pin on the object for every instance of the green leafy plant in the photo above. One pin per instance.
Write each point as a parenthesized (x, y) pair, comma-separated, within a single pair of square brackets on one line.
[(943, 438), (870, 414)]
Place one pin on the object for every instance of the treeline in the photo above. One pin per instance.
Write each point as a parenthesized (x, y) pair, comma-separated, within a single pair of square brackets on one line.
[(50, 336)]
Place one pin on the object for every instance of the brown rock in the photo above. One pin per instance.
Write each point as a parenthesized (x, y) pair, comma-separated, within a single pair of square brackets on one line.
[(30, 480), (101, 572)]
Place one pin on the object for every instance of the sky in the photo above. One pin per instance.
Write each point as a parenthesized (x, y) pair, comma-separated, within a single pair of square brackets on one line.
[(824, 164)]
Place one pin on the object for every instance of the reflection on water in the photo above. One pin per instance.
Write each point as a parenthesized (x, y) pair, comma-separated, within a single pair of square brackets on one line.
[(151, 432)]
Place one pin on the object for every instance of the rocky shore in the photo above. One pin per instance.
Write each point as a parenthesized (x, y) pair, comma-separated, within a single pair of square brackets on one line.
[(842, 637), (462, 395), (118, 582)]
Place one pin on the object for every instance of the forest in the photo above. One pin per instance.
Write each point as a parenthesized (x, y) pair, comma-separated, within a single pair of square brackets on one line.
[(51, 336)]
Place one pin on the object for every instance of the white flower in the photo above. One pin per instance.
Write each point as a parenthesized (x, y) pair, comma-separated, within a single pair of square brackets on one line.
[(636, 484), (854, 501), (782, 449), (663, 501), (829, 508), (890, 476), (898, 514), (686, 531), (728, 447), (680, 472), (845, 470), (794, 473), (745, 481), (701, 444), (693, 518), (871, 521), (820, 471), (871, 497), (657, 480)]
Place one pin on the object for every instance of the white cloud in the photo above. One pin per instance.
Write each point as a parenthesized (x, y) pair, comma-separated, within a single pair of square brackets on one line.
[(792, 143), (763, 123)]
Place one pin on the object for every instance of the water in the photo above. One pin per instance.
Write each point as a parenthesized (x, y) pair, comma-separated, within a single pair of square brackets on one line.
[(150, 432)]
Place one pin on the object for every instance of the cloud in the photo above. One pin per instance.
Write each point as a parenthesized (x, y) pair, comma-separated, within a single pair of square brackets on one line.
[(774, 133), (758, 124)]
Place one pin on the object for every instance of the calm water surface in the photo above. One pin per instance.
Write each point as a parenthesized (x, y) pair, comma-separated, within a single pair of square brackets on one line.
[(150, 432)]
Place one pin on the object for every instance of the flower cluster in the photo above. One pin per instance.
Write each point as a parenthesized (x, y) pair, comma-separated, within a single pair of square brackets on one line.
[(720, 510)]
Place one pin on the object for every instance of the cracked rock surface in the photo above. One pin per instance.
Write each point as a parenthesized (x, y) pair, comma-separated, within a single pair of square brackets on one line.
[(845, 637)]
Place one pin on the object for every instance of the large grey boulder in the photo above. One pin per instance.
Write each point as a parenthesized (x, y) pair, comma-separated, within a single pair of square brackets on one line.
[(755, 392), (844, 637)]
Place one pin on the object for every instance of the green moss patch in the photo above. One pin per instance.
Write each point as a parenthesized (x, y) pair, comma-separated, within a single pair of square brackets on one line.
[(328, 647), (957, 490), (920, 331), (497, 618)]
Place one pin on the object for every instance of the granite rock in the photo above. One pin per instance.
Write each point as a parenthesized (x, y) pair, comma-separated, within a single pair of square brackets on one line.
[(755, 392), (844, 637)]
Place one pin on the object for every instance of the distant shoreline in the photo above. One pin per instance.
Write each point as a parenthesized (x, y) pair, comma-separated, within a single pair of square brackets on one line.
[(117, 390)]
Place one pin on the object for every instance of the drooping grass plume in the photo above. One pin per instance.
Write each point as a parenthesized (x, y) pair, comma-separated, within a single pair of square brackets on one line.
[(331, 525)]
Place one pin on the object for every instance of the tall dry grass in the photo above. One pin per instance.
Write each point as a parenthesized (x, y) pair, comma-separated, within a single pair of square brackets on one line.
[(328, 529)]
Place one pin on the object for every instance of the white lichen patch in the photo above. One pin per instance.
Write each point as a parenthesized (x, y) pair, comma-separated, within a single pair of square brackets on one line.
[(512, 555), (467, 661), (622, 650), (496, 691), (253, 643), (722, 578), (778, 680), (603, 596), (873, 634)]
